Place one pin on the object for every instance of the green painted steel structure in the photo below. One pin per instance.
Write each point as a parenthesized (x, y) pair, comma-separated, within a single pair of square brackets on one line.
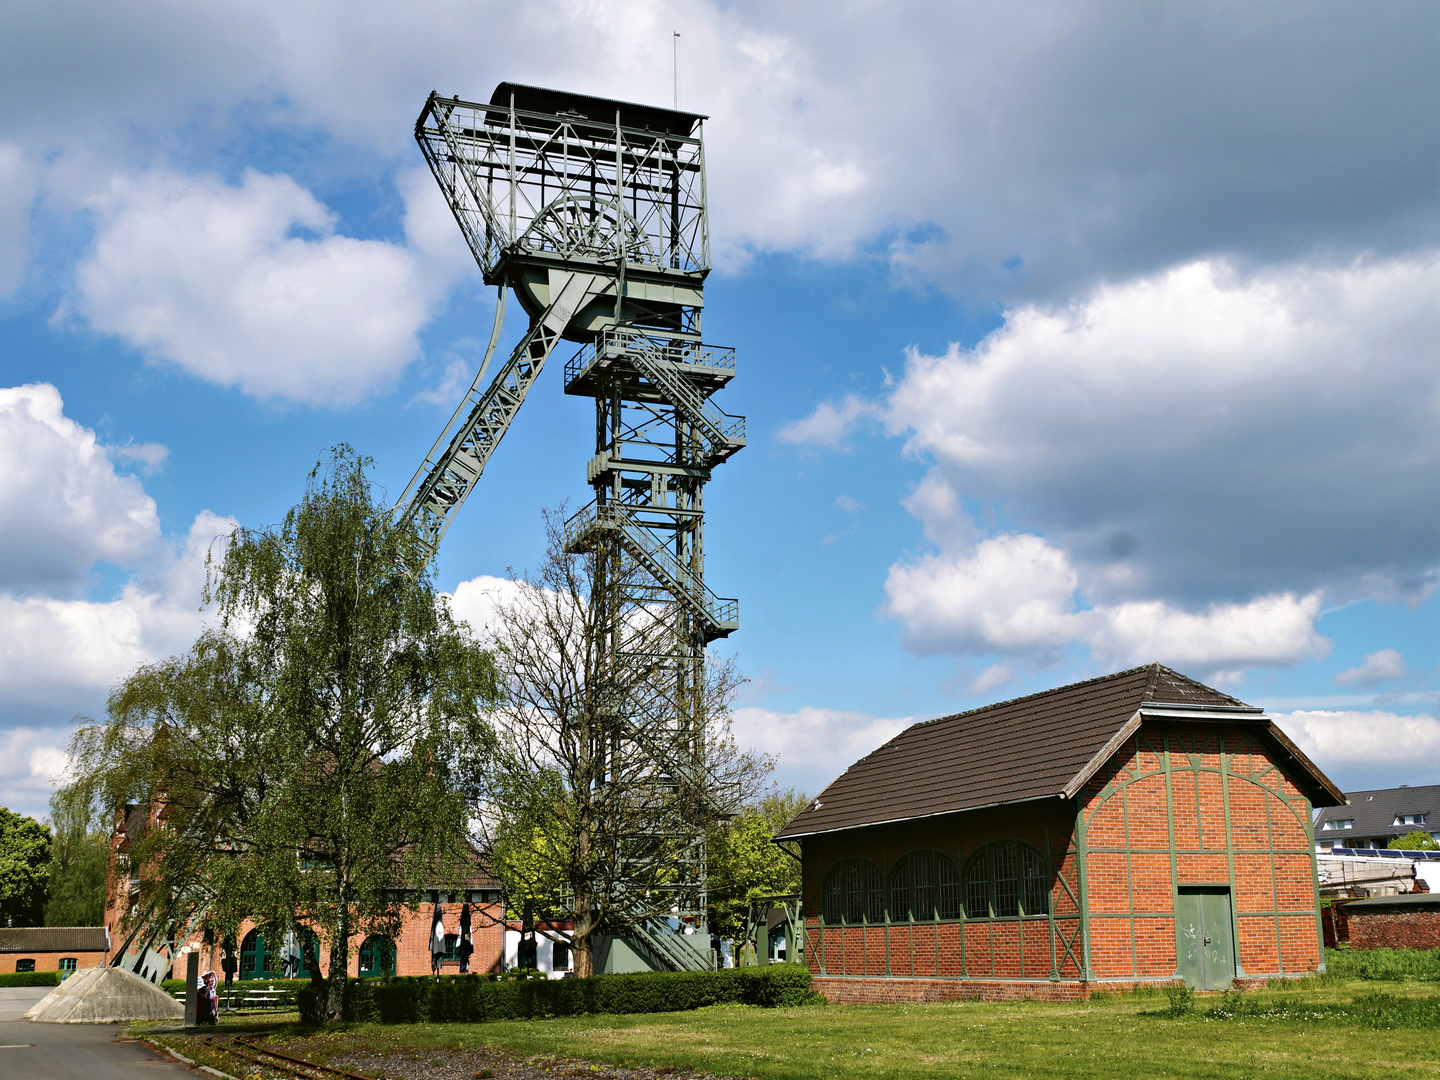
[(593, 213)]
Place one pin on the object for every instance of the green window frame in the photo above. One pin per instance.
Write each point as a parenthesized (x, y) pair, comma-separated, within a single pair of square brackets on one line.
[(855, 894), (924, 886), (68, 963), (1007, 879), (27, 964), (377, 957)]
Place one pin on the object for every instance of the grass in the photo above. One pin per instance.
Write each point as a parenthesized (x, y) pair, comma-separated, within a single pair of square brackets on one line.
[(1329, 1029), (1390, 965)]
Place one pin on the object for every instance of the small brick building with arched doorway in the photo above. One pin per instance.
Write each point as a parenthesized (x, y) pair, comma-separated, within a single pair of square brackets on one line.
[(1136, 828)]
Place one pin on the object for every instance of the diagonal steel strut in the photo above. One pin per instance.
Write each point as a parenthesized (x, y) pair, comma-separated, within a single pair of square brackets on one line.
[(448, 475)]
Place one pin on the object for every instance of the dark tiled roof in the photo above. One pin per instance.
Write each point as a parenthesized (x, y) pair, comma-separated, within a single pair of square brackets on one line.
[(1374, 813), (53, 939), (1032, 747)]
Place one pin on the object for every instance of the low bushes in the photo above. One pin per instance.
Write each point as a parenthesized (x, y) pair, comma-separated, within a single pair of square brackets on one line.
[(241, 986), (30, 978), (472, 998)]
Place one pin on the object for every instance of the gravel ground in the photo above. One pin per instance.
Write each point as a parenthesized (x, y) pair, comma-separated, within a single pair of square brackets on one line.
[(477, 1063)]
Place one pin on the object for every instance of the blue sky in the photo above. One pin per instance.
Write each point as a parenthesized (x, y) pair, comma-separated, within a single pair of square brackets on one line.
[(1071, 337)]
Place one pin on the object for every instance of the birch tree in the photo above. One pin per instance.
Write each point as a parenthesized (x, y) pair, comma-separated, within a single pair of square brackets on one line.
[(305, 761)]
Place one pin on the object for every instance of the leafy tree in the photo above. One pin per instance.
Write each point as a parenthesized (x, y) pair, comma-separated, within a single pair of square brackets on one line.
[(304, 760), (592, 799), (24, 868), (745, 861), (76, 893), (1414, 841)]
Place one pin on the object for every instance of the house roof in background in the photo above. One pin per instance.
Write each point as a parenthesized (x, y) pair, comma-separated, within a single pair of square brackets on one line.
[(1041, 746), (1375, 811), (54, 939)]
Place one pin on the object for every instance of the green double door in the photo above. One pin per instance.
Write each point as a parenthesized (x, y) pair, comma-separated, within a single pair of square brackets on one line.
[(1204, 936)]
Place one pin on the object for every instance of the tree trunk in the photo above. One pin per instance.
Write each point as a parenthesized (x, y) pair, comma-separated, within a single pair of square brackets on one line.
[(339, 963), (582, 941)]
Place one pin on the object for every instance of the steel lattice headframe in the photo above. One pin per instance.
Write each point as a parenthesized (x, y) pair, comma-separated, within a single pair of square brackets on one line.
[(593, 213)]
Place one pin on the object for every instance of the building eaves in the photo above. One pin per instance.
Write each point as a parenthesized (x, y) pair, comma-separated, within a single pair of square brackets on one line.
[(1043, 745)]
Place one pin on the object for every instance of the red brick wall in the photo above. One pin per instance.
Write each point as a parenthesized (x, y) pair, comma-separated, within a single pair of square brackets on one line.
[(1395, 928), (1203, 799), (1029, 948), (412, 945), (1234, 819), (50, 961)]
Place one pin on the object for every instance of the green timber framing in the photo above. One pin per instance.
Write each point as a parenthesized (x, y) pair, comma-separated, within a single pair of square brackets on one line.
[(1188, 754)]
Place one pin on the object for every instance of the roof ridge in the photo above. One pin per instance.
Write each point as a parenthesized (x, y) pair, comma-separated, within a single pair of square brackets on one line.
[(1027, 697), (1149, 694), (1154, 679)]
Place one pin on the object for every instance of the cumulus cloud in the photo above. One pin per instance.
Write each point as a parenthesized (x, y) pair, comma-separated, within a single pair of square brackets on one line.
[(1378, 668), (829, 424), (813, 745), (985, 146), (1016, 594), (30, 760), (251, 286), (62, 505), (477, 600), (1201, 436), (1360, 749), (56, 651)]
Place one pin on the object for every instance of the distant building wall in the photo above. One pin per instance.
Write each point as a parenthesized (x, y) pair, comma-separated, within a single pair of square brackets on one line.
[(1387, 927)]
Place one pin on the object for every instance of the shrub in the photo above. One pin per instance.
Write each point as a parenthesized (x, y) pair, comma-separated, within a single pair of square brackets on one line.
[(31, 978), (1182, 1000), (474, 998), (173, 986)]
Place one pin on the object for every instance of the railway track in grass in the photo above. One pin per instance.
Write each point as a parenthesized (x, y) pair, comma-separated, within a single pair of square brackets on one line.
[(284, 1063)]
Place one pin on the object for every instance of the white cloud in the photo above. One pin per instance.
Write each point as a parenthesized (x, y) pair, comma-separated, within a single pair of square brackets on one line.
[(55, 651), (477, 601), (1003, 148), (1016, 594), (997, 674), (250, 286), (813, 745), (1377, 668), (1202, 435), (62, 505), (829, 424), (1367, 749), (30, 759)]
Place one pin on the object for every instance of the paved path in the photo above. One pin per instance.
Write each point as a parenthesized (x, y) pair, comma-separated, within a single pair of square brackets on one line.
[(72, 1051)]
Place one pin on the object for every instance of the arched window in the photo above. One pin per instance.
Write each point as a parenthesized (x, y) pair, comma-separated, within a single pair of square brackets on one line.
[(924, 885), (254, 960), (855, 893), (377, 957), (1006, 879)]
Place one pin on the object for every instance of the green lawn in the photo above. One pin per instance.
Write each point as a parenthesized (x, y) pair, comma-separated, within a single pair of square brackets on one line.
[(1320, 1034)]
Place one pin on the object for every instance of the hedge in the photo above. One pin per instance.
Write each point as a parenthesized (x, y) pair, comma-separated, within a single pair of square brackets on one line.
[(472, 998), (177, 986), (31, 978)]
